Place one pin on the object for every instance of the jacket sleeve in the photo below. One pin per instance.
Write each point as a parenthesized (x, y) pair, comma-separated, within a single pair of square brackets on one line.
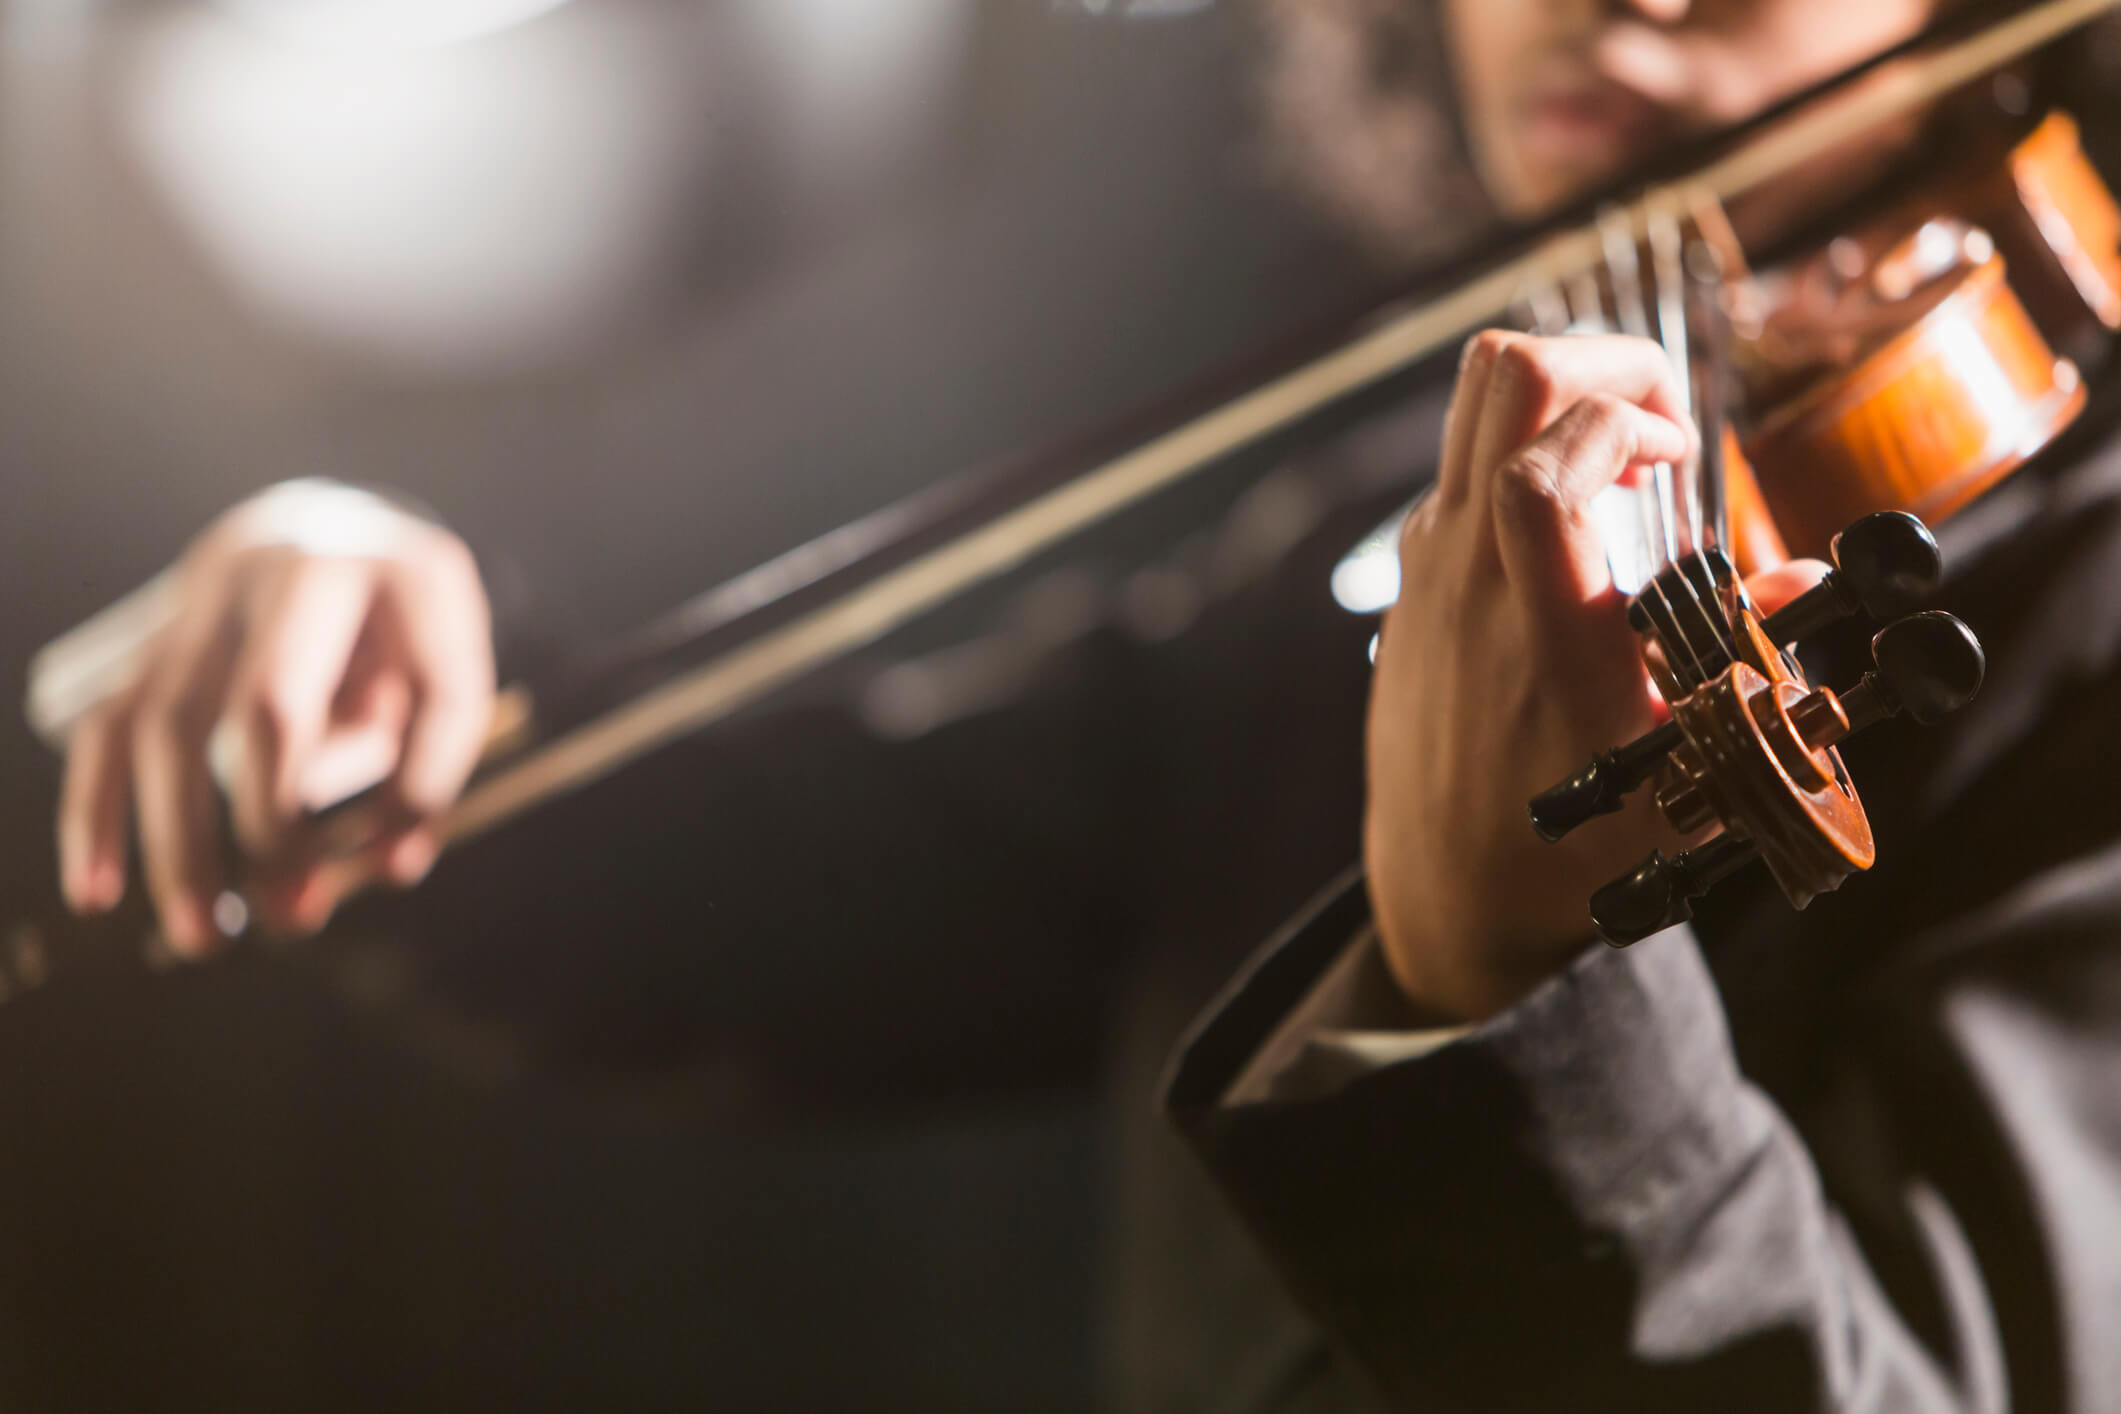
[(1580, 1204)]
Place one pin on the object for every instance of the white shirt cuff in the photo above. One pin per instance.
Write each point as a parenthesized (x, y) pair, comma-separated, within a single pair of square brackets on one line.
[(1354, 1021), (89, 664)]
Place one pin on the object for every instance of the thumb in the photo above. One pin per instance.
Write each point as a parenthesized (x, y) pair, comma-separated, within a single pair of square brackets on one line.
[(1771, 589)]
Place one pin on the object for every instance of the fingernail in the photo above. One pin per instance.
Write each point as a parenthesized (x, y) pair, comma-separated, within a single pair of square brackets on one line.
[(189, 930), (310, 907), (74, 884), (411, 860), (274, 906), (106, 885)]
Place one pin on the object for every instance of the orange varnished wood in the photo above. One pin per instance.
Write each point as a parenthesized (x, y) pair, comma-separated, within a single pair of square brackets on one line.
[(1802, 811), (1811, 833), (1924, 423), (1895, 368), (1744, 767), (1755, 544), (2058, 227)]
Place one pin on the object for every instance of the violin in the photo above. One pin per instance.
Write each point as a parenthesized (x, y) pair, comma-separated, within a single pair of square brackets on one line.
[(1893, 375), (1837, 371)]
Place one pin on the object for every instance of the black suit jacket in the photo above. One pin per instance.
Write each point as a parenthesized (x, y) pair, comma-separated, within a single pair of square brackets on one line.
[(1863, 1158)]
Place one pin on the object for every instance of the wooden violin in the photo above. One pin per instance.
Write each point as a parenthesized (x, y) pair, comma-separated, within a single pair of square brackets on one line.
[(1894, 374), (1842, 366)]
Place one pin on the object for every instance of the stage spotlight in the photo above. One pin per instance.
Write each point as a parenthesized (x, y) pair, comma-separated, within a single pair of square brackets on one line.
[(387, 24)]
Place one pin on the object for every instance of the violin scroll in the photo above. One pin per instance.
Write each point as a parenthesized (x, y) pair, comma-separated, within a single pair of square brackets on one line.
[(1928, 665), (1884, 565), (1753, 749)]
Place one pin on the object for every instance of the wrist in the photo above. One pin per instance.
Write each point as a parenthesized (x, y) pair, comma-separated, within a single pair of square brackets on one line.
[(1456, 971), (1447, 990), (330, 519)]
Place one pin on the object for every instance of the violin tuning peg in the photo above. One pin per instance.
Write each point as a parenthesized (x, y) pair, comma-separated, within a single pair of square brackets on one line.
[(1884, 565), (1603, 786), (1929, 666), (1659, 893), (1891, 562), (1934, 663)]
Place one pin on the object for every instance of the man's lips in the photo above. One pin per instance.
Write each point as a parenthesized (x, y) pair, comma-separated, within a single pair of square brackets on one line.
[(1589, 122)]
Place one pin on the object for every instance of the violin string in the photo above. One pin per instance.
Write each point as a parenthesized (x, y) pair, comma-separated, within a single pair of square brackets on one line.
[(1633, 312), (1550, 313), (1664, 239), (1587, 302), (1617, 261), (1714, 251), (1662, 471), (1703, 291), (1616, 238), (1623, 274), (1522, 313), (1702, 267), (1579, 304), (1667, 245)]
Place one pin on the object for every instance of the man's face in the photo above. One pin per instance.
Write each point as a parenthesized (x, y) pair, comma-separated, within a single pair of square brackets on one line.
[(1562, 94)]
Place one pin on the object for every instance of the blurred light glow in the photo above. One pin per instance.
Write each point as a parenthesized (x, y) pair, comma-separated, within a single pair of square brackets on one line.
[(464, 209), (855, 81), (1144, 9), (393, 24), (1366, 581), (26, 23), (231, 914)]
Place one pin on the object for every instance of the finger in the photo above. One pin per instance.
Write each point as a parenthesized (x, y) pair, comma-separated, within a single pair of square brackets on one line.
[(92, 811), (1476, 365), (1550, 547), (173, 789), (1771, 589), (365, 736), (300, 899), (442, 620), (300, 635), (356, 755), (1536, 380)]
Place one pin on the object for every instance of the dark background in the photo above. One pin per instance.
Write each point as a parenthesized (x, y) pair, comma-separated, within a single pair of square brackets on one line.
[(804, 1065)]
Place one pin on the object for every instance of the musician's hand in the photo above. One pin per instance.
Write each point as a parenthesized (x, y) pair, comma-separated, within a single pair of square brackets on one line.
[(326, 663), (1507, 663)]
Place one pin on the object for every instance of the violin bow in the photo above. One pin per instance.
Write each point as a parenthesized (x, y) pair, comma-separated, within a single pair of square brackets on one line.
[(519, 776)]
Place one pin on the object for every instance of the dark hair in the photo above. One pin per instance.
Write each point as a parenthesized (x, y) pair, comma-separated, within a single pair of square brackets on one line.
[(1360, 116)]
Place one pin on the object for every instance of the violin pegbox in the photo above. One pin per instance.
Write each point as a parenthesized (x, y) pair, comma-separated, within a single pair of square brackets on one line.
[(1751, 748)]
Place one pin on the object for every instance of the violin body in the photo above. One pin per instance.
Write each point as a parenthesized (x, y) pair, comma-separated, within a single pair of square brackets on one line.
[(1902, 366), (2058, 228), (1925, 422)]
